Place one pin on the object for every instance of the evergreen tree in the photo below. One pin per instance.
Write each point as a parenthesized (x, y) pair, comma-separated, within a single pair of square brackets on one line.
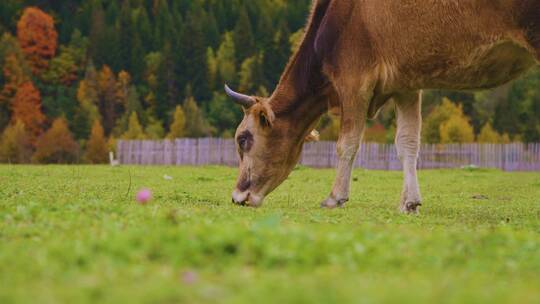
[(277, 56), (223, 115), (243, 36)]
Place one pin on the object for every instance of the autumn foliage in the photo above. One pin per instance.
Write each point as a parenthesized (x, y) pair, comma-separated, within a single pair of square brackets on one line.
[(56, 145), (178, 125), (96, 147), (37, 38), (15, 144), (26, 107)]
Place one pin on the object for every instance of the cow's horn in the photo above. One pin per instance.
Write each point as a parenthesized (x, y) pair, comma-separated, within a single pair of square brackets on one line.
[(243, 100)]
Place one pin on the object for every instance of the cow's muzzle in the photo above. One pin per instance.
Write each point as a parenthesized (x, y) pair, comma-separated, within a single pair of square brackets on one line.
[(246, 199)]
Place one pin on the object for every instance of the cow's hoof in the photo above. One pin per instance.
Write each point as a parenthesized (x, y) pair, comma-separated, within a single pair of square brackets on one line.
[(410, 207), (331, 203)]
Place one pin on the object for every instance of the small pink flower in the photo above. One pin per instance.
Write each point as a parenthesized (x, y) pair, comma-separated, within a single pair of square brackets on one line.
[(144, 196)]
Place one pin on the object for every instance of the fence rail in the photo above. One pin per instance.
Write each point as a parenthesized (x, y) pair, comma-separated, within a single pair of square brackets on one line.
[(217, 151)]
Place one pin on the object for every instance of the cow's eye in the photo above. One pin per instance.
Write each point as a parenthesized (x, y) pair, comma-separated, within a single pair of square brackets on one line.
[(242, 142), (245, 141)]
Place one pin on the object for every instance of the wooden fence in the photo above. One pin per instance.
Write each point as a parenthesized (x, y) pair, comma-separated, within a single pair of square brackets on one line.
[(216, 151)]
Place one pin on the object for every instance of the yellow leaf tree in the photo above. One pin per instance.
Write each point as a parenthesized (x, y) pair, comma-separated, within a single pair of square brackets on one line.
[(15, 144), (179, 124), (96, 147), (135, 130), (489, 135), (457, 129)]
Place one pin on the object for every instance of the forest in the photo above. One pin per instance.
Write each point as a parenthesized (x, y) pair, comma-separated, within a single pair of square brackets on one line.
[(77, 75)]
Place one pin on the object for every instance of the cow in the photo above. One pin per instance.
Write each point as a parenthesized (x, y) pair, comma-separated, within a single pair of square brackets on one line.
[(355, 56)]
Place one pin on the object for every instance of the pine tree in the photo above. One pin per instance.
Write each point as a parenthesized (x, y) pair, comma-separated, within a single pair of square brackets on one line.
[(96, 146), (37, 38), (277, 56), (26, 107), (56, 146), (243, 36), (177, 129), (222, 115), (15, 145), (135, 130)]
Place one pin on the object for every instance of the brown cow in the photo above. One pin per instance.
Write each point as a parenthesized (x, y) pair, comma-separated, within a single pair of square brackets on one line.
[(358, 54)]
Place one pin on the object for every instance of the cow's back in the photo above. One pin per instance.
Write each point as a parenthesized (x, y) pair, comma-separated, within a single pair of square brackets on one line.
[(459, 44)]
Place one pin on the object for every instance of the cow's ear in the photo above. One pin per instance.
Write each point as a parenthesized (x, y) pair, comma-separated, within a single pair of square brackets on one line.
[(313, 136), (266, 116)]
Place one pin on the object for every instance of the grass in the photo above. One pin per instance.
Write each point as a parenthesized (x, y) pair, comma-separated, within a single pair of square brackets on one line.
[(75, 235)]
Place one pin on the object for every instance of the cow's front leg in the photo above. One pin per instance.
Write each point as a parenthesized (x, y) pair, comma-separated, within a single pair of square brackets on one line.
[(353, 119), (409, 123)]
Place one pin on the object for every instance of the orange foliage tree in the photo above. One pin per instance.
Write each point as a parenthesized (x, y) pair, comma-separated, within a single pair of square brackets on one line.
[(26, 107), (56, 145), (37, 38)]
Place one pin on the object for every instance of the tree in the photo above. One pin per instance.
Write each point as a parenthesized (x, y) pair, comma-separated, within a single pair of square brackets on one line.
[(330, 127), (57, 145), (489, 135), (196, 124), (37, 38), (64, 69), (15, 146), (15, 70), (154, 128), (96, 147), (226, 60), (108, 100), (438, 116), (251, 74), (456, 129), (177, 129), (87, 111), (26, 107), (376, 133), (243, 36), (223, 115), (135, 130)]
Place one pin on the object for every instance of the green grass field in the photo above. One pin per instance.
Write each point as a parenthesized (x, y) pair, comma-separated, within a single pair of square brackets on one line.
[(75, 235)]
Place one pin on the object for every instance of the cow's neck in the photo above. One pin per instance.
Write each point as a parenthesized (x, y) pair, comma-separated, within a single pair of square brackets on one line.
[(302, 111)]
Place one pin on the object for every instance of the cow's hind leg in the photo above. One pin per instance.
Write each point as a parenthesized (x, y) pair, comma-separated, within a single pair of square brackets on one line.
[(353, 119), (409, 123)]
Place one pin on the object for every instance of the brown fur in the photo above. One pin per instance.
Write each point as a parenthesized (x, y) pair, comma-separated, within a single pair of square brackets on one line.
[(358, 54)]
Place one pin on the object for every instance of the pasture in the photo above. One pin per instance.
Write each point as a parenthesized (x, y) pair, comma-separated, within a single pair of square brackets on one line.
[(76, 235)]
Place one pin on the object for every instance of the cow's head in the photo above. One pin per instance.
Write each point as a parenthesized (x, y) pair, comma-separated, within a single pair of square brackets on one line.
[(268, 149)]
